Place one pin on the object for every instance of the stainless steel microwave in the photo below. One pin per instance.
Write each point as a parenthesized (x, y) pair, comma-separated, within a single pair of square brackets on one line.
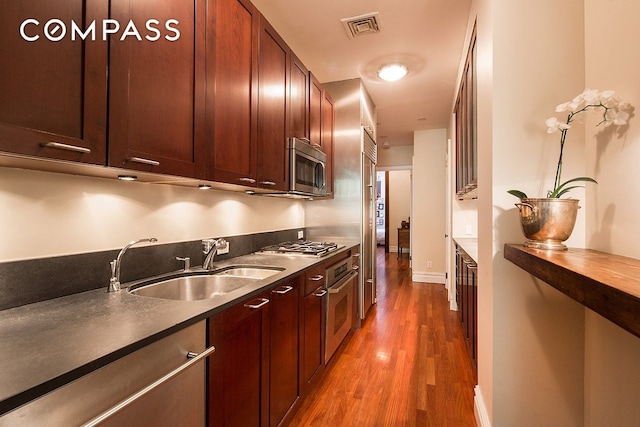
[(308, 169)]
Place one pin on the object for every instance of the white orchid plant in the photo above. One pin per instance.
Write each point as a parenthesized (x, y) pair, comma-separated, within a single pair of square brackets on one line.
[(614, 112)]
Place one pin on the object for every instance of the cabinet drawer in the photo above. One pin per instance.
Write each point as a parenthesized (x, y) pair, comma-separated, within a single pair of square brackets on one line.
[(314, 278)]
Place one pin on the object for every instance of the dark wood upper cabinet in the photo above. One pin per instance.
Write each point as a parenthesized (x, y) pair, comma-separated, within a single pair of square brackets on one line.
[(298, 99), (321, 124), (53, 94), (315, 111), (327, 141), (232, 91), (196, 89), (466, 128), (156, 91), (273, 129)]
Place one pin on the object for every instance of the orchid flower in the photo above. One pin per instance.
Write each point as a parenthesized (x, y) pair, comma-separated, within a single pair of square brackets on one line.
[(614, 113)]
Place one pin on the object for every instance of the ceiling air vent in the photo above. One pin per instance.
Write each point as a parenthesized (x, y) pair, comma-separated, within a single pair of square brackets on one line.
[(362, 25)]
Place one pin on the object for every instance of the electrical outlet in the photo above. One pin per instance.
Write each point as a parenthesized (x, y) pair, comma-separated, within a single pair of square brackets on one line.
[(224, 250), (300, 234), (429, 264)]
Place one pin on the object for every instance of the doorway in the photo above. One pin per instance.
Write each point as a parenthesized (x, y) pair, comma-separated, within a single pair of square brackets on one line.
[(393, 209), (382, 212)]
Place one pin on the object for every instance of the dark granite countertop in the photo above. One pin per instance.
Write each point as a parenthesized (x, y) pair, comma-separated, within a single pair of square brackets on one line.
[(48, 344)]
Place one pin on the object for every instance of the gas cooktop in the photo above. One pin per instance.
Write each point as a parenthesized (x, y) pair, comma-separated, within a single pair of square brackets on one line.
[(301, 247)]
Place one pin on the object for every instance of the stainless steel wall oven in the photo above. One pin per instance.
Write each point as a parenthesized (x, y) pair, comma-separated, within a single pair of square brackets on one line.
[(341, 282)]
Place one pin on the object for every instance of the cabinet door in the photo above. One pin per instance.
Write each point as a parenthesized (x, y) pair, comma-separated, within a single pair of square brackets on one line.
[(315, 111), (273, 156), (298, 99), (313, 334), (328, 121), (53, 94), (284, 384), (232, 96), (238, 370), (156, 90)]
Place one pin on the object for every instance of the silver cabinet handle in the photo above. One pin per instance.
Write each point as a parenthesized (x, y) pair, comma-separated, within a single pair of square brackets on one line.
[(249, 180), (144, 161), (355, 267), (282, 290), (271, 183), (316, 278), (129, 400), (67, 147), (263, 302), (356, 255), (369, 280), (321, 293)]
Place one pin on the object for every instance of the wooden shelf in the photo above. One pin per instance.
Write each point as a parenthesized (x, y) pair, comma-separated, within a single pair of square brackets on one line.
[(607, 284)]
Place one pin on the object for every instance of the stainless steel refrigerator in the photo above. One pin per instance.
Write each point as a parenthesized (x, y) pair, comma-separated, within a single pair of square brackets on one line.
[(368, 245), (350, 212)]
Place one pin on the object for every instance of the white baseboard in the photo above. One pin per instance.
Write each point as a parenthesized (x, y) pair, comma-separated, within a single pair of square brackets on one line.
[(428, 277), (480, 410)]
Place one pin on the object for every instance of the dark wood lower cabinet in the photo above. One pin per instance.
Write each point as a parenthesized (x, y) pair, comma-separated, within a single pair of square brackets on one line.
[(253, 376), (284, 387), (238, 380), (467, 300), (313, 335)]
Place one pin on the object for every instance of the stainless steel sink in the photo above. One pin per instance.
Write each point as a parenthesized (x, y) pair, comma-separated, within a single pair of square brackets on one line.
[(250, 272), (206, 286)]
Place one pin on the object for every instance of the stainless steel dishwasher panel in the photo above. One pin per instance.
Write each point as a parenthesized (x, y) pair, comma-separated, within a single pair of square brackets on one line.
[(158, 385)]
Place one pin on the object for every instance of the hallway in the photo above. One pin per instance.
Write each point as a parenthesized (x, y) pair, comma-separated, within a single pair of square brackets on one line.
[(406, 366)]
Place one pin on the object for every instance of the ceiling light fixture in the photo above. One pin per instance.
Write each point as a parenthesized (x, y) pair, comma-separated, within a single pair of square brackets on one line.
[(127, 177), (392, 72), (204, 187)]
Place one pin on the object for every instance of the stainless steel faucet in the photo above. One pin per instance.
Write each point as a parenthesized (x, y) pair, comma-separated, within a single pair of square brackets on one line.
[(210, 248), (114, 282)]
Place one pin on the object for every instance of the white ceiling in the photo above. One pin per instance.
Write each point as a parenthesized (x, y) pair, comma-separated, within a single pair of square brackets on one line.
[(426, 35)]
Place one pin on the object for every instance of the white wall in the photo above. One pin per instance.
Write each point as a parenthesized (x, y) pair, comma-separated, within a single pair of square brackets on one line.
[(612, 371), (398, 203), (531, 345), (45, 214), (394, 157), (428, 221), (538, 341), (543, 358)]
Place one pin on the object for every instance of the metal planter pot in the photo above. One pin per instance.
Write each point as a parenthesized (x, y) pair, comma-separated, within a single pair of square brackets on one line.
[(546, 223)]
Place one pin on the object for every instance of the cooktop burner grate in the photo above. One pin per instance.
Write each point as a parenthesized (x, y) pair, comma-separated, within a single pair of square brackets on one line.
[(302, 247)]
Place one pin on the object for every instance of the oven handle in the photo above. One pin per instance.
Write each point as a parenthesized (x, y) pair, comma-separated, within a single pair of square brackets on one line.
[(337, 288)]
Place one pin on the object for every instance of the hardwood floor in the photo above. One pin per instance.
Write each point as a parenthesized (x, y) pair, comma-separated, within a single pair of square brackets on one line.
[(407, 366)]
